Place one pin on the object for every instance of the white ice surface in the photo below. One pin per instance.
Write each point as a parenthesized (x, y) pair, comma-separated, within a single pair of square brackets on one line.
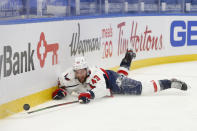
[(170, 110)]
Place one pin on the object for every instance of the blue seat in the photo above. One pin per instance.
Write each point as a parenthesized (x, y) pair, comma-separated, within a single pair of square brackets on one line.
[(87, 7), (57, 2), (172, 1), (132, 1), (10, 8), (150, 5), (173, 6), (133, 6), (194, 2), (188, 1), (115, 1), (151, 1), (193, 6), (87, 0)]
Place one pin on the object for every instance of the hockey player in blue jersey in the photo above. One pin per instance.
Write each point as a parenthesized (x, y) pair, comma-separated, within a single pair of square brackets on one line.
[(88, 83)]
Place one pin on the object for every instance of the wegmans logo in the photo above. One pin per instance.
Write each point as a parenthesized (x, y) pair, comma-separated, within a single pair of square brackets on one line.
[(82, 46)]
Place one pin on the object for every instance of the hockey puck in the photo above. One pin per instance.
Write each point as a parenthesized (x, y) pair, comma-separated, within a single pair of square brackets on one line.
[(26, 107)]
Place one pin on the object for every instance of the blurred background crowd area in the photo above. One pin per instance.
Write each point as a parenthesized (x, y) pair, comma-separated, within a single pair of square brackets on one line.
[(25, 9)]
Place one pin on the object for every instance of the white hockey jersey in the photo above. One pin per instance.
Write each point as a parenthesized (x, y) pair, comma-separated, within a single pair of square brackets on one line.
[(94, 82)]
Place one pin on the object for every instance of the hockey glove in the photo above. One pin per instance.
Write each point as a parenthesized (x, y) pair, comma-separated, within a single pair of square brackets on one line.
[(84, 98), (59, 94)]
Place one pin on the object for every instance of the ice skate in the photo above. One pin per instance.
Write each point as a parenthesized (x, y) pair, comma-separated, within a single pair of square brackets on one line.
[(130, 54), (179, 84)]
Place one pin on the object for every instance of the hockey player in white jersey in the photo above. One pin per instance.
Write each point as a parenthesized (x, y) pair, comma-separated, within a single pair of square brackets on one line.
[(92, 82)]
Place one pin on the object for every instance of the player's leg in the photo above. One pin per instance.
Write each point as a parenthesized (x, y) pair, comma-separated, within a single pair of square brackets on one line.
[(120, 84), (125, 85), (133, 87), (126, 62), (156, 86), (130, 86)]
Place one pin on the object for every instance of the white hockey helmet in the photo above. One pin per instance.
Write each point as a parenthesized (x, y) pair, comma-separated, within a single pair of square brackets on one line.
[(80, 63)]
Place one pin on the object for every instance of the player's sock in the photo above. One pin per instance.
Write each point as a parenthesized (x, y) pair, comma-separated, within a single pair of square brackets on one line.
[(174, 83), (165, 84)]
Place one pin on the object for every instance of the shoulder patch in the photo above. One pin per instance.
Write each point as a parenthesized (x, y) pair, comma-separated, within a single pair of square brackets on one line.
[(66, 77)]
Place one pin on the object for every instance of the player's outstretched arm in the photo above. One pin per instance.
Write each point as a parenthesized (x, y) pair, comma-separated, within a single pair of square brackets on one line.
[(59, 94), (99, 90), (84, 98)]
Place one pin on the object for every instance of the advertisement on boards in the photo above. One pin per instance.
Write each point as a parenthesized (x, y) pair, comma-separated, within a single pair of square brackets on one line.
[(33, 55)]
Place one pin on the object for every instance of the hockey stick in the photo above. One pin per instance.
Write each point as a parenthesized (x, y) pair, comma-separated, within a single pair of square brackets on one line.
[(48, 107)]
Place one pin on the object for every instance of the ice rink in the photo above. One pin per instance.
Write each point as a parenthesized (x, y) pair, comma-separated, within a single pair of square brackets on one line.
[(170, 110)]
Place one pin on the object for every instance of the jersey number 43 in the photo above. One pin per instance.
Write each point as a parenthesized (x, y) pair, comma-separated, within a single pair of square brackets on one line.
[(95, 79)]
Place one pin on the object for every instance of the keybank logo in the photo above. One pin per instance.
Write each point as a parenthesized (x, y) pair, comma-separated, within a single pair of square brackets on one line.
[(14, 63), (183, 33), (44, 48)]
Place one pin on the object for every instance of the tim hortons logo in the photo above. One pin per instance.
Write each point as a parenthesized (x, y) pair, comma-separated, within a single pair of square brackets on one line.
[(43, 48), (140, 40)]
